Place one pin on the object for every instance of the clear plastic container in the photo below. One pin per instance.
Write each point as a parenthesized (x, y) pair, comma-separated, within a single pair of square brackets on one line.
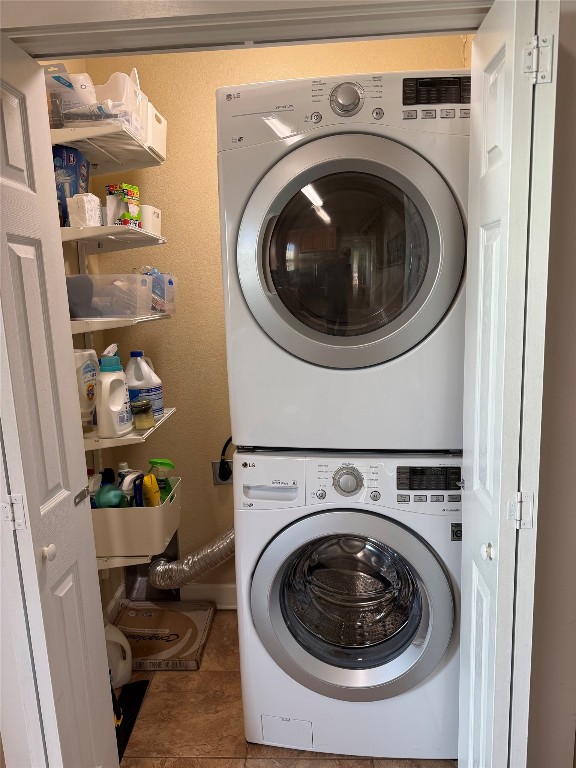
[(103, 295), (164, 294), (118, 99)]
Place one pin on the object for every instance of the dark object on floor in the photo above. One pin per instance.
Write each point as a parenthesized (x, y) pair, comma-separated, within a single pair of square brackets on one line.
[(129, 701)]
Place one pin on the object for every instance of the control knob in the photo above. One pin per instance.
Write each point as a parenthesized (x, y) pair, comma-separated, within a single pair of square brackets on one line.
[(347, 481), (346, 99)]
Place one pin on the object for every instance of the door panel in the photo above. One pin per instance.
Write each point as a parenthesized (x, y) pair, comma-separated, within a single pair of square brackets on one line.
[(43, 437), (495, 421)]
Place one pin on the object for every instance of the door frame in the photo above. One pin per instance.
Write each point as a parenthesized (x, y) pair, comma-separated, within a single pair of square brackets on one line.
[(42, 41), (115, 29)]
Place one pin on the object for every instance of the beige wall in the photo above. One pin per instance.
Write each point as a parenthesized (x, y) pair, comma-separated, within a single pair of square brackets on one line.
[(189, 351)]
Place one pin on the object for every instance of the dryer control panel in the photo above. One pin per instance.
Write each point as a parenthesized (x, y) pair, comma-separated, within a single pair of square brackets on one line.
[(257, 113)]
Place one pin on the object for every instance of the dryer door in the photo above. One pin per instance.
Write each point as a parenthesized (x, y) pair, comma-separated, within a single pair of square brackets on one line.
[(350, 251), (352, 605)]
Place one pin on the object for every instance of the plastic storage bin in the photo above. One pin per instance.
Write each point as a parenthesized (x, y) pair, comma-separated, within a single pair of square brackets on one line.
[(119, 99), (137, 531), (164, 294), (156, 131), (92, 296)]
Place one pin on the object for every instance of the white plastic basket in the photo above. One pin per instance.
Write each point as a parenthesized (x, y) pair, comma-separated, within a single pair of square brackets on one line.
[(137, 531)]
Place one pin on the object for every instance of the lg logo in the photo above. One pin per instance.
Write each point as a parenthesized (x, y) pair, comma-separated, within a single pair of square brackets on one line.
[(245, 464)]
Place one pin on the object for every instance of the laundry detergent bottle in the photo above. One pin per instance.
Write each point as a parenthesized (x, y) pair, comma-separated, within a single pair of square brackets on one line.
[(112, 401), (143, 383), (86, 373)]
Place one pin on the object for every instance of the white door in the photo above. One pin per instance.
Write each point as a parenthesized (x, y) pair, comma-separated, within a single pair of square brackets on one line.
[(43, 440), (507, 188)]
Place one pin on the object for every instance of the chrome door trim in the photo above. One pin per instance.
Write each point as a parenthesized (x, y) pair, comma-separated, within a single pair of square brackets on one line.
[(397, 164), (402, 673)]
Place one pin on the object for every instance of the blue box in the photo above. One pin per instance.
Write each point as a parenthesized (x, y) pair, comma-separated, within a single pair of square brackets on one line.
[(72, 172)]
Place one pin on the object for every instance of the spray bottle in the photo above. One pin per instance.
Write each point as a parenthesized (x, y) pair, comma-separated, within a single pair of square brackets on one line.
[(160, 468)]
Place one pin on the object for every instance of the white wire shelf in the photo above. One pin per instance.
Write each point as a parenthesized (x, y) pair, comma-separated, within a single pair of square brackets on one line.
[(109, 148), (94, 443), (110, 238), (103, 323)]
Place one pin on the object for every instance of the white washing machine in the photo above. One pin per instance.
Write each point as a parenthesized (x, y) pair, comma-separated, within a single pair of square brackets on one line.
[(348, 579), (342, 206)]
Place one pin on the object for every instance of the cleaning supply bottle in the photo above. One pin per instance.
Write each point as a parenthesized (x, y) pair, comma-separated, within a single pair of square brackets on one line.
[(160, 468), (112, 400), (123, 471), (150, 491), (119, 655), (109, 495), (86, 362), (143, 383)]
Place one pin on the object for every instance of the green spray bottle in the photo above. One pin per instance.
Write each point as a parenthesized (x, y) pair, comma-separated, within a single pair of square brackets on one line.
[(159, 468)]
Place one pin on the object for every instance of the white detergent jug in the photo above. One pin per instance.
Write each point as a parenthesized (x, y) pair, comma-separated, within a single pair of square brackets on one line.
[(119, 655), (112, 400), (143, 383)]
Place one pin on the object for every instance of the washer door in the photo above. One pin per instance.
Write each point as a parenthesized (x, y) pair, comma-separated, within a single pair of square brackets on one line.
[(350, 251), (352, 605)]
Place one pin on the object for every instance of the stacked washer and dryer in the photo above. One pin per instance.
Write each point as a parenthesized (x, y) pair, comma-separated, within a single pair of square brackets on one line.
[(343, 207)]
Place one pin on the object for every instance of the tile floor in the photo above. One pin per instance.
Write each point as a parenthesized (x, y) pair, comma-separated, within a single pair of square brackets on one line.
[(194, 720)]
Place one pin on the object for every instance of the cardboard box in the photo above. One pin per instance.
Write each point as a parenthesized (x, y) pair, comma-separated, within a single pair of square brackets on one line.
[(72, 173), (166, 636)]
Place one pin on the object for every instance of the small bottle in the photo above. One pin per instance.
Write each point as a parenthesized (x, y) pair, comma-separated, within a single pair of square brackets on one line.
[(143, 414)]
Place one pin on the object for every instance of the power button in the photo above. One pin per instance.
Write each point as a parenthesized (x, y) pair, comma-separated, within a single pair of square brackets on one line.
[(316, 117)]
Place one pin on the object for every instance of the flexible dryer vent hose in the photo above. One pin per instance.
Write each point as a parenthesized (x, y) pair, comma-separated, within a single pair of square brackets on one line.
[(170, 575)]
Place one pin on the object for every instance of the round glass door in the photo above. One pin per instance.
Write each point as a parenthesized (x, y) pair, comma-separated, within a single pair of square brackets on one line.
[(351, 601), (350, 251), (352, 271), (352, 605)]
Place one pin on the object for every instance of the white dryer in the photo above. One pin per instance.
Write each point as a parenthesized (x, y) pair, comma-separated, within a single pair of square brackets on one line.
[(342, 206), (348, 579)]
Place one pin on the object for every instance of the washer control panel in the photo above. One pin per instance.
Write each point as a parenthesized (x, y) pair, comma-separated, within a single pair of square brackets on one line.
[(420, 483), (347, 481)]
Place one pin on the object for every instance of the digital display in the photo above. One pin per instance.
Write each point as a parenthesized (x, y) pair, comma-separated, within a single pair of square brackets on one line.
[(428, 478), (435, 90)]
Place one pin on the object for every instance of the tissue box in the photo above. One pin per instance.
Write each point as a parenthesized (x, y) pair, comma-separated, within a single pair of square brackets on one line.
[(84, 211), (71, 171)]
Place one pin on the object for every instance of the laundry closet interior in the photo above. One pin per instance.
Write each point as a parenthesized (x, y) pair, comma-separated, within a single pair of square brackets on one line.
[(299, 576), (189, 349)]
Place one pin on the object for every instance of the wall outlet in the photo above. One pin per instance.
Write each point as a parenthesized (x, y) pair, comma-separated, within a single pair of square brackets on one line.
[(215, 479)]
